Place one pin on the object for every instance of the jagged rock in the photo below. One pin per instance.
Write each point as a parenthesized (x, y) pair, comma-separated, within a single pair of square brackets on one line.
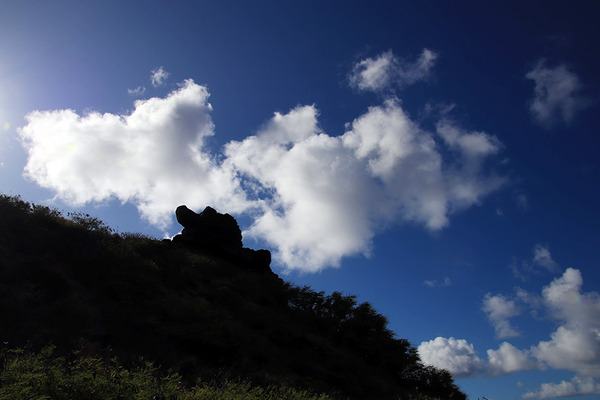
[(218, 233), (209, 229), (258, 260)]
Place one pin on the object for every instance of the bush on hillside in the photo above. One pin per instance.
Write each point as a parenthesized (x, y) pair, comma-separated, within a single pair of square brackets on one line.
[(66, 280)]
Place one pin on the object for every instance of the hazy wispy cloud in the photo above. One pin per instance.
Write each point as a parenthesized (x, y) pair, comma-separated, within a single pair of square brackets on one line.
[(312, 196), (159, 76), (138, 91), (541, 257), (574, 345), (557, 94), (521, 202), (374, 73), (435, 283), (386, 71)]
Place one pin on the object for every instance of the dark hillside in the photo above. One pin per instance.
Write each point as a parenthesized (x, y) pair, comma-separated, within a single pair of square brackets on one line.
[(193, 307)]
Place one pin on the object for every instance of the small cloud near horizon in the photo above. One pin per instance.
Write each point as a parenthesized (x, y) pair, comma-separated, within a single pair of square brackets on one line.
[(573, 346)]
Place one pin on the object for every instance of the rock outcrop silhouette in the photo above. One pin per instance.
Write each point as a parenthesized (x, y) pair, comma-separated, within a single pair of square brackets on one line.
[(219, 234)]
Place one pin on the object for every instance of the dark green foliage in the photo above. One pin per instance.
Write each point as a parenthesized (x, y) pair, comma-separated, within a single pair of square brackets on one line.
[(72, 280)]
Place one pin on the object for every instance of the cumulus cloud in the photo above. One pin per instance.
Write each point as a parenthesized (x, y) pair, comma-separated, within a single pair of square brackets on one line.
[(405, 159), (313, 197), (575, 387), (508, 359), (500, 310), (386, 71), (457, 356), (328, 195), (153, 157), (573, 346), (556, 94), (159, 76), (316, 208)]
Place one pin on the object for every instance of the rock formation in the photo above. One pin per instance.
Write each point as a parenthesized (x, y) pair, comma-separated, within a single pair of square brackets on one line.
[(209, 230), (220, 234)]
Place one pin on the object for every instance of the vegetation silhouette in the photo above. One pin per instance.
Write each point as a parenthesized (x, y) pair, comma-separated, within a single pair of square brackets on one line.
[(189, 313)]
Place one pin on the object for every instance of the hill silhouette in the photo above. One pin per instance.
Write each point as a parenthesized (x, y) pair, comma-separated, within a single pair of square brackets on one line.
[(195, 306)]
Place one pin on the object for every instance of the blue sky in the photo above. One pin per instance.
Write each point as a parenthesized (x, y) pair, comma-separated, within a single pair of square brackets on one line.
[(438, 160)]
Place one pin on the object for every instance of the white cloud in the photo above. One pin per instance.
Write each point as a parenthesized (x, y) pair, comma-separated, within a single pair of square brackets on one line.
[(315, 198), (500, 310), (317, 208), (374, 73), (457, 356), (395, 151), (158, 76), (574, 345), (543, 258), (138, 91), (575, 387), (386, 71), (328, 195), (473, 145), (556, 94), (508, 359), (153, 157)]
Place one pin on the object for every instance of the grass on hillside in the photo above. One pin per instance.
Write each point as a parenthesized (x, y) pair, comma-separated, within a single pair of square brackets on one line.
[(27, 375)]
